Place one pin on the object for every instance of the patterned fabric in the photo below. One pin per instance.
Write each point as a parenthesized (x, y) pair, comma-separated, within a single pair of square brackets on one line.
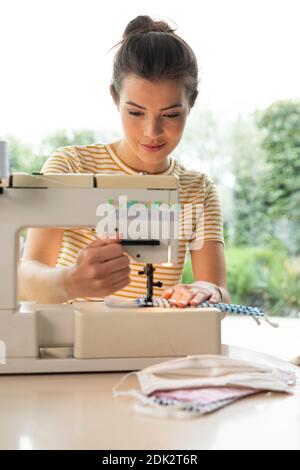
[(201, 400), (255, 312)]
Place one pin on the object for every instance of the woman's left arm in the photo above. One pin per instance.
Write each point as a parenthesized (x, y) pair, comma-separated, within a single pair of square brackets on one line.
[(209, 269)]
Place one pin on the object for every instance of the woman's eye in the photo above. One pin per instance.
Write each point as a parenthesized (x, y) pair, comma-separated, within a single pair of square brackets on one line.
[(138, 113), (135, 113)]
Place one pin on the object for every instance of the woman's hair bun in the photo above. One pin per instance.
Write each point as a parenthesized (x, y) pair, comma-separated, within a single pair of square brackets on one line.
[(145, 24), (151, 49)]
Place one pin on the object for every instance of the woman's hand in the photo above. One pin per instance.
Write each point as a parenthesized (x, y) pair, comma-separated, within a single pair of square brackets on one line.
[(183, 295), (101, 269)]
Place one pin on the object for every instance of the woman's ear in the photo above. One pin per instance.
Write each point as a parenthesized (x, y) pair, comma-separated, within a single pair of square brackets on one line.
[(114, 95)]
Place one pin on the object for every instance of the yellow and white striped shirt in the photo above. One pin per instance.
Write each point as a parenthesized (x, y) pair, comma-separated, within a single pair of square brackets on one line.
[(194, 188)]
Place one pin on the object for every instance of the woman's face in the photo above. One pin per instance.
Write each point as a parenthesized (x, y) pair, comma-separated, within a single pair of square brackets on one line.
[(153, 116)]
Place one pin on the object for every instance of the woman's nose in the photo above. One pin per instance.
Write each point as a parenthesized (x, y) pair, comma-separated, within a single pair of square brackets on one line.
[(153, 128)]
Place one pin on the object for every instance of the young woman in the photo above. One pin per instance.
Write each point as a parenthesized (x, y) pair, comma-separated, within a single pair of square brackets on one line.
[(154, 86)]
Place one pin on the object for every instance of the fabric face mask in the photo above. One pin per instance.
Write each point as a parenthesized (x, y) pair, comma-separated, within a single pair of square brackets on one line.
[(202, 371)]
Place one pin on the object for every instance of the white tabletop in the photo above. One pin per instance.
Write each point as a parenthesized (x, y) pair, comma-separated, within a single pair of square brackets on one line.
[(77, 411)]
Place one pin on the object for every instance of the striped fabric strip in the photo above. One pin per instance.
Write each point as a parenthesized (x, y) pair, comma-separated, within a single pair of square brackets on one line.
[(192, 403), (204, 395)]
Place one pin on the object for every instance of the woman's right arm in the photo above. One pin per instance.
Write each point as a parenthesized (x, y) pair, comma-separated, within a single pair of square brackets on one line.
[(101, 269), (39, 280)]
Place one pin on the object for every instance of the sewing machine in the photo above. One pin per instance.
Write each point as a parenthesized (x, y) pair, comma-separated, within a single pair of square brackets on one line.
[(90, 336)]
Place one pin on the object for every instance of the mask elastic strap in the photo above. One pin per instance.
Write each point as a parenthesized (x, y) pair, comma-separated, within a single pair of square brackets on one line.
[(134, 393), (255, 319), (122, 393), (267, 319)]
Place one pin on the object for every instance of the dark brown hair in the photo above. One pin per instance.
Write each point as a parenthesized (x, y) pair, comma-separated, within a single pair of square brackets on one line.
[(151, 50)]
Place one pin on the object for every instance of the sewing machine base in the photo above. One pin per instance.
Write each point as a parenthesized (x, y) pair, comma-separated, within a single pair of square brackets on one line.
[(101, 339), (72, 365), (106, 332)]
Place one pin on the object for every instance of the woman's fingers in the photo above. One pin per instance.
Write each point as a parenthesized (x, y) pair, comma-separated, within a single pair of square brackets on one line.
[(200, 297), (183, 295), (168, 293), (215, 298)]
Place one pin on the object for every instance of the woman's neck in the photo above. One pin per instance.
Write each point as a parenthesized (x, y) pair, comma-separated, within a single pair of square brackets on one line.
[(124, 152)]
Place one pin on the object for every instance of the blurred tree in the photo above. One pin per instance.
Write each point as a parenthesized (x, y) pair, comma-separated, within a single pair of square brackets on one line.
[(65, 137), (21, 156), (281, 143), (24, 158), (252, 226)]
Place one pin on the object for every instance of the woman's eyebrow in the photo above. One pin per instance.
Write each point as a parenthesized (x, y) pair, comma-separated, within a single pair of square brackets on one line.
[(176, 105)]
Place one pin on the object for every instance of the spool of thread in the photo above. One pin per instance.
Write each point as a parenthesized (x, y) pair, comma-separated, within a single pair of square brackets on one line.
[(4, 163)]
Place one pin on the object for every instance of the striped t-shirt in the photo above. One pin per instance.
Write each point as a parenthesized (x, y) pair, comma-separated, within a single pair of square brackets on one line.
[(194, 188)]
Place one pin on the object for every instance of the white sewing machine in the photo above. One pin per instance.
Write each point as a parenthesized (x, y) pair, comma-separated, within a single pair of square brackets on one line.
[(90, 336)]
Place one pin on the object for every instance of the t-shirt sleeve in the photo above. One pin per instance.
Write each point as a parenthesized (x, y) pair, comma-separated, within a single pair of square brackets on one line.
[(65, 160), (62, 160), (208, 218)]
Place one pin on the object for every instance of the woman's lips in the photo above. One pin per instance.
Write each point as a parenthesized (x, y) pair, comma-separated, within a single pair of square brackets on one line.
[(153, 148)]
